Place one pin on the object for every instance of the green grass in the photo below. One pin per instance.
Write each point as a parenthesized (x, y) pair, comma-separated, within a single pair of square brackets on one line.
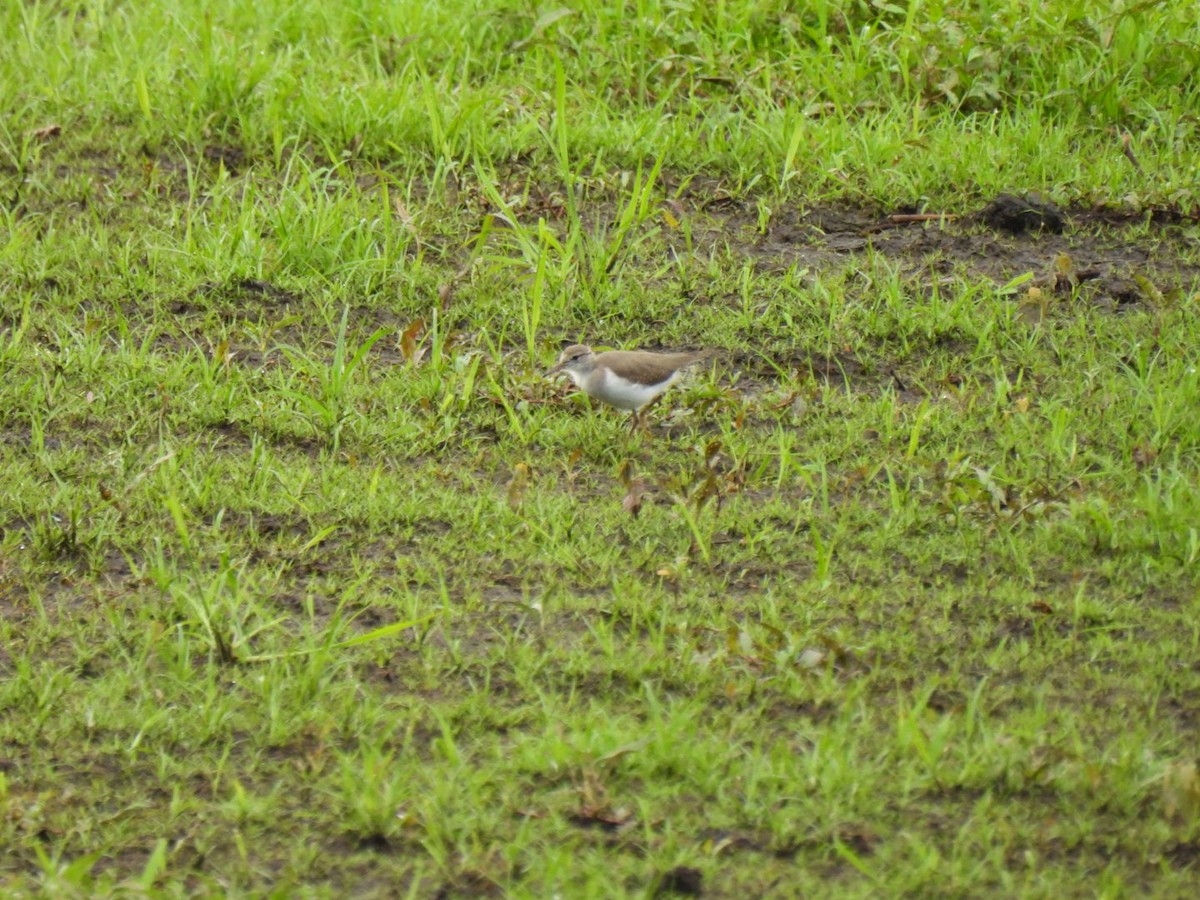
[(311, 584)]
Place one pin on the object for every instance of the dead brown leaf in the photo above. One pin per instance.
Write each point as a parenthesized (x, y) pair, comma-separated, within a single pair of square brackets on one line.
[(635, 495), (406, 218), (595, 810), (410, 342), (1127, 149)]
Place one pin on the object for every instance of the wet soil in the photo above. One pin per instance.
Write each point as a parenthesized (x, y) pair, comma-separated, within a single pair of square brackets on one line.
[(1107, 257)]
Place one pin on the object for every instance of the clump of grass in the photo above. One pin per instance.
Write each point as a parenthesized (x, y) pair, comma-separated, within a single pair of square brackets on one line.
[(327, 404)]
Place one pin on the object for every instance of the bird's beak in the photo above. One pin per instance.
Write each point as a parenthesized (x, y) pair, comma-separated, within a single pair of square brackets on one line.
[(558, 367)]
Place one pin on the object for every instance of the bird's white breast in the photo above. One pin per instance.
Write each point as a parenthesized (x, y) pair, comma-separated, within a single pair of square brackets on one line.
[(621, 393)]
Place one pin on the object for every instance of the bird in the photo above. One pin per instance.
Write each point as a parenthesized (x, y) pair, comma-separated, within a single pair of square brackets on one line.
[(627, 379)]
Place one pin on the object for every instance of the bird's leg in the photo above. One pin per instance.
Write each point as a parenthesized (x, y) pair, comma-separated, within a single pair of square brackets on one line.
[(641, 413)]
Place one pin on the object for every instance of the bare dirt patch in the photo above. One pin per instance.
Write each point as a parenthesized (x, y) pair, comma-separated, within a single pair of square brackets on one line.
[(1109, 258)]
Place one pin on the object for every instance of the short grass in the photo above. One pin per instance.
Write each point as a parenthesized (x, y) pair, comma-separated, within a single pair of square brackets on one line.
[(312, 585)]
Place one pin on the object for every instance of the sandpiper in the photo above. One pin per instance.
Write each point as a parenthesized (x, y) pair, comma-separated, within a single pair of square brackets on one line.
[(626, 379)]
